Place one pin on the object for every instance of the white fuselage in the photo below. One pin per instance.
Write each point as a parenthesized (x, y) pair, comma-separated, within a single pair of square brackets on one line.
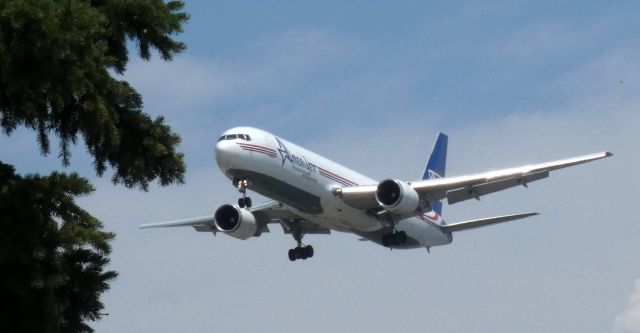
[(304, 181)]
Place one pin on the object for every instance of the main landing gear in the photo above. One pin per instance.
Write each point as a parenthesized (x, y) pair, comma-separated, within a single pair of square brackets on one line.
[(242, 184), (299, 252), (394, 238)]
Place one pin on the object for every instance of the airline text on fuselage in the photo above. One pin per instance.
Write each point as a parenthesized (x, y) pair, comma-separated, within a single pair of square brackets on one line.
[(296, 161)]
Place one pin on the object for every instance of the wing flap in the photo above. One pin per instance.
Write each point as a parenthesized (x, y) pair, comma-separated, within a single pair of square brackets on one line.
[(205, 228), (472, 224), (476, 191), (307, 227)]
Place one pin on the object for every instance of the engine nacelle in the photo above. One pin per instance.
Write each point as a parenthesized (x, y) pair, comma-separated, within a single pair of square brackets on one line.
[(397, 196), (235, 221)]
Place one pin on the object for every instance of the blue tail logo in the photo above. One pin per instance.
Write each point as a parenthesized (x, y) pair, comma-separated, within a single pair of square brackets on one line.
[(436, 166)]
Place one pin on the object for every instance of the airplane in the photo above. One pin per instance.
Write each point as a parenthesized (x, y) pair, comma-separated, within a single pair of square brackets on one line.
[(314, 195)]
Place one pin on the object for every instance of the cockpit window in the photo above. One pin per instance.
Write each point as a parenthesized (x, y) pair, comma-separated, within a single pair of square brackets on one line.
[(235, 136)]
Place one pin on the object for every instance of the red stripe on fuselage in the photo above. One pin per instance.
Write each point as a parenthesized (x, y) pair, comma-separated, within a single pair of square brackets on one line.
[(334, 178), (257, 146), (343, 180), (262, 151)]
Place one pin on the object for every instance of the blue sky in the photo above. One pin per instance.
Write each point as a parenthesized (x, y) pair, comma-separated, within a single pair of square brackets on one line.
[(370, 85)]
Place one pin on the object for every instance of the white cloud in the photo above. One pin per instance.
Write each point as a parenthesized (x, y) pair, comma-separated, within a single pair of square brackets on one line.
[(533, 42), (261, 82), (629, 319), (273, 65)]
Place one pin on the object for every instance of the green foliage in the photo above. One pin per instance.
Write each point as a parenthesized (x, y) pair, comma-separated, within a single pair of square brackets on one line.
[(52, 254), (57, 57)]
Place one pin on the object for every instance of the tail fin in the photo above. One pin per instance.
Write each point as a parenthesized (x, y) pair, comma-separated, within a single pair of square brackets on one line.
[(436, 166)]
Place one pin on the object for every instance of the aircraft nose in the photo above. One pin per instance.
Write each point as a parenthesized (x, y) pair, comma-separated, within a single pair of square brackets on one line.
[(224, 152)]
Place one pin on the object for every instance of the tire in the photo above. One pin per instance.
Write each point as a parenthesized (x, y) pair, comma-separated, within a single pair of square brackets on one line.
[(386, 240), (308, 251), (395, 238), (241, 202), (292, 255), (402, 237), (298, 253), (247, 202)]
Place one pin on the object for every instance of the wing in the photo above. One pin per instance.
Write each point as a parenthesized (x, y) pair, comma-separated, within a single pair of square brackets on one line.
[(265, 213), (461, 188), (472, 224)]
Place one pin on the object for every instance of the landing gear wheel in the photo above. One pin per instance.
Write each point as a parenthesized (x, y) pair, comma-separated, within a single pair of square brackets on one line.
[(394, 239), (399, 238), (242, 184), (308, 251), (402, 237), (292, 254), (386, 240)]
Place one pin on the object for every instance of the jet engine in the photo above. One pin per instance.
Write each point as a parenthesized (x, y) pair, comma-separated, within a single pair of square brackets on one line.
[(235, 221), (397, 196)]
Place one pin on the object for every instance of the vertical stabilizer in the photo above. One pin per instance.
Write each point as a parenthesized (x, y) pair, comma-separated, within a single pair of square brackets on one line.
[(436, 166)]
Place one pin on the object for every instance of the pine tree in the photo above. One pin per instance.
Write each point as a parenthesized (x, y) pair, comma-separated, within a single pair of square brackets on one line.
[(52, 254), (57, 64), (56, 57)]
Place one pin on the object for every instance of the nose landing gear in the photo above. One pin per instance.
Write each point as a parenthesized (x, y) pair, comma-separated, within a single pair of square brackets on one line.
[(242, 184)]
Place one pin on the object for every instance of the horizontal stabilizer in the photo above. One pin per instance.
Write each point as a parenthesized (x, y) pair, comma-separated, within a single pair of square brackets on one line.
[(483, 222)]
